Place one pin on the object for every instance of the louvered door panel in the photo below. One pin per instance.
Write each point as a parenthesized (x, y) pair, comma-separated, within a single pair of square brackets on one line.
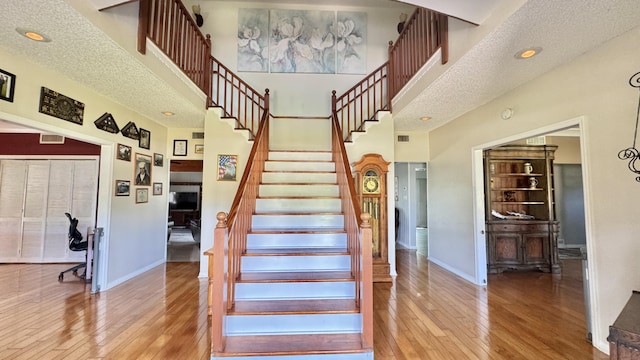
[(12, 180)]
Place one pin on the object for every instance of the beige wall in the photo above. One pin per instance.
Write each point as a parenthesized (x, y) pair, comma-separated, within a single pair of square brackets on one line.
[(297, 94), (593, 88), (416, 150), (568, 149), (135, 234)]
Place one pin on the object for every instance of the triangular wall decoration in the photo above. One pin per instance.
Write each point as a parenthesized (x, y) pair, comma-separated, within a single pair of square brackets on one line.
[(107, 123), (131, 131)]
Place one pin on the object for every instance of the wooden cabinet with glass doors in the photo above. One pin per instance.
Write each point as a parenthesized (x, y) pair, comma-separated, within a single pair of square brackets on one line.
[(521, 226)]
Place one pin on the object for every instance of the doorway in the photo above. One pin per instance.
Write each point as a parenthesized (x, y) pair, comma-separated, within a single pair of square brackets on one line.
[(563, 134), (185, 203), (410, 194)]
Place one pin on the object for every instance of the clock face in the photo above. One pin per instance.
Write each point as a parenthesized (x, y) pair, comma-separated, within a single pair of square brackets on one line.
[(371, 184)]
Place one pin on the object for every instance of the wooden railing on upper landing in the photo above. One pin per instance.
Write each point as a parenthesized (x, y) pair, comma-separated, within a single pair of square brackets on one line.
[(237, 98), (230, 236), (423, 34), (359, 235), (361, 102), (170, 26)]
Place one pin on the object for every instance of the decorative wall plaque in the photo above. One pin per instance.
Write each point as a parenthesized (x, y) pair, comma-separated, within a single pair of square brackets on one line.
[(63, 107), (107, 123), (131, 131)]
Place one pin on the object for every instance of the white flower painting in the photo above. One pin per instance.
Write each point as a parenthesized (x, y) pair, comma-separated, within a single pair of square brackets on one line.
[(253, 38), (350, 32), (300, 41)]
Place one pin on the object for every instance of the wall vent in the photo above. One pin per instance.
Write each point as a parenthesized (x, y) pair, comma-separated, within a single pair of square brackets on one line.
[(197, 135), (538, 140), (51, 139), (403, 138)]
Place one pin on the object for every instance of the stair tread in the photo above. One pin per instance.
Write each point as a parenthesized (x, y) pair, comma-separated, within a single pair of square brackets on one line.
[(295, 276), (323, 230), (287, 307), (297, 251), (314, 172), (300, 151), (298, 197), (292, 344), (301, 213)]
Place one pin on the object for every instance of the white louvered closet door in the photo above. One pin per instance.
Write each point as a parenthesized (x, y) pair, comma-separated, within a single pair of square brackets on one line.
[(34, 197)]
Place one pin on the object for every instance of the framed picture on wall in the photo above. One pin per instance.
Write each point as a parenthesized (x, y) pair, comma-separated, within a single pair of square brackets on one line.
[(180, 147), (199, 149), (157, 188), (227, 167), (145, 139), (124, 152), (142, 195), (122, 187), (7, 85), (158, 160), (142, 170)]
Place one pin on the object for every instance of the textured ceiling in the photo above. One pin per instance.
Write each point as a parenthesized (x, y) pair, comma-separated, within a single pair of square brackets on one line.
[(565, 29), (85, 54)]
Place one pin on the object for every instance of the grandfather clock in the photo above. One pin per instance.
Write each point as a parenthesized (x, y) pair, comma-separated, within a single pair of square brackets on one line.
[(371, 184)]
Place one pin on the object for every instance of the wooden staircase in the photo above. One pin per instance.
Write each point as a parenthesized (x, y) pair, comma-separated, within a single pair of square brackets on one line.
[(295, 296)]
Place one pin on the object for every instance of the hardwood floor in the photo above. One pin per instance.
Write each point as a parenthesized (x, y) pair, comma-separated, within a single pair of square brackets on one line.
[(428, 313)]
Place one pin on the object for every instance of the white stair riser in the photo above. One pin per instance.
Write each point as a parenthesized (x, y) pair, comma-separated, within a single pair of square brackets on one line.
[(269, 190), (264, 241), (293, 324), (303, 178), (297, 221), (296, 263), (300, 155), (353, 356), (296, 290), (299, 166), (299, 205)]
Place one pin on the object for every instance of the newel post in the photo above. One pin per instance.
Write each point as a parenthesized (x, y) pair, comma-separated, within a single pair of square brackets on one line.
[(266, 100), (334, 101), (366, 299), (216, 283)]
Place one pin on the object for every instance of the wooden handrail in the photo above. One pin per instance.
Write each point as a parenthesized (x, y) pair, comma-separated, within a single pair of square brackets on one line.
[(359, 235), (168, 24), (237, 98), (361, 102), (423, 34), (217, 272)]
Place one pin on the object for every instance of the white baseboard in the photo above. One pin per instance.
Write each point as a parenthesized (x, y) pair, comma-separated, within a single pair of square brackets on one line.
[(455, 271), (132, 275)]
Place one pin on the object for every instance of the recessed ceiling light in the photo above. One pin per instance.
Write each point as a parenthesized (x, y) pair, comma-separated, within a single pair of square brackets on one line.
[(33, 35), (425, 118), (528, 53), (167, 113)]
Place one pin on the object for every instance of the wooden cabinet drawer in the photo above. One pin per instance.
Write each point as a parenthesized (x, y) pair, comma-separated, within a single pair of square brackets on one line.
[(511, 227)]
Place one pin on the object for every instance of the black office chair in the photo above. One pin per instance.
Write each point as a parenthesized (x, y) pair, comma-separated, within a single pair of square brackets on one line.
[(75, 244)]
